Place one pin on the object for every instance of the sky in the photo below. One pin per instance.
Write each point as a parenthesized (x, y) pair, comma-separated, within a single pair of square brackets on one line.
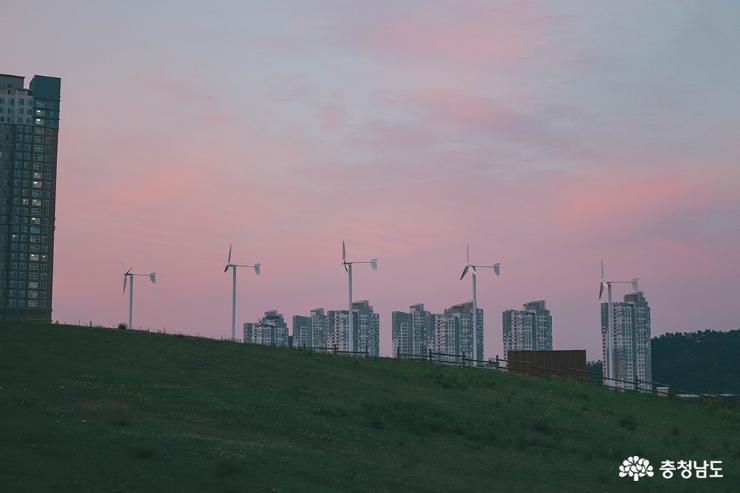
[(548, 135)]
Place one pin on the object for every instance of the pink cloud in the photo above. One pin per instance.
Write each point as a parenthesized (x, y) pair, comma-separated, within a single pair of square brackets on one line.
[(614, 200), (479, 34)]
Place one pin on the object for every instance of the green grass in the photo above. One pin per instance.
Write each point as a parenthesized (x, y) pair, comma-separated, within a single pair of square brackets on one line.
[(86, 409)]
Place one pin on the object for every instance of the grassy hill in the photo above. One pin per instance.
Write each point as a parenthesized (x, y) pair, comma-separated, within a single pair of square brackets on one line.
[(86, 409)]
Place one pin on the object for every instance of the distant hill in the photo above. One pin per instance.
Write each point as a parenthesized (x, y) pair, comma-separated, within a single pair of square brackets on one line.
[(702, 362), (86, 409)]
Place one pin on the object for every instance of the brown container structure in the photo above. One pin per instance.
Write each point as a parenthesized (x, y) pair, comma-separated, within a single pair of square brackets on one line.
[(569, 363)]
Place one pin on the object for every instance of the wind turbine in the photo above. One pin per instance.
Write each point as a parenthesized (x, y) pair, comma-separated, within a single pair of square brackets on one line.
[(128, 277), (233, 267), (610, 320), (348, 267), (474, 274)]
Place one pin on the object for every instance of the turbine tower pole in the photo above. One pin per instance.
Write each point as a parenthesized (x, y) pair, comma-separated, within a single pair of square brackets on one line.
[(475, 317), (350, 335), (610, 336), (233, 303), (131, 304)]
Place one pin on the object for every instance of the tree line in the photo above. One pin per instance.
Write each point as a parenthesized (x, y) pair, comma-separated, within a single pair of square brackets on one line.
[(700, 362)]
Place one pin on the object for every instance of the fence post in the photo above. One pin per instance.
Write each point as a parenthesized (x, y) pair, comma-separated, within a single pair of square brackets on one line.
[(463, 359)]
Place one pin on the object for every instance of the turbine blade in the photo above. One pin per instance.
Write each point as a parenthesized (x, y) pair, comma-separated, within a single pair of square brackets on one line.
[(228, 261), (125, 280), (473, 270), (257, 269), (602, 269), (601, 290), (497, 268), (467, 253), (130, 269), (226, 268), (465, 271), (344, 252)]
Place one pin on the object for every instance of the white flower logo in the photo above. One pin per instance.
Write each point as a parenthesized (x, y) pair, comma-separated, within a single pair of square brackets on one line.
[(636, 468)]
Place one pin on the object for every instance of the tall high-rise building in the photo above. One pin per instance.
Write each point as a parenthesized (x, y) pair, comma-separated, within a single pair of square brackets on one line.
[(366, 327), (319, 324), (463, 313), (401, 333), (302, 333), (271, 330), (518, 331), (29, 130), (449, 335), (542, 339), (446, 341), (310, 332), (529, 329), (413, 331), (632, 358)]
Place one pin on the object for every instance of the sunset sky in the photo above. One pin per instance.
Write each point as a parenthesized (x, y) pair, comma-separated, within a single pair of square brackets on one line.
[(547, 134)]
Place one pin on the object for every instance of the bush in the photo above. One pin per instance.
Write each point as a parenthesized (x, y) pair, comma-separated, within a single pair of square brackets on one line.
[(122, 326)]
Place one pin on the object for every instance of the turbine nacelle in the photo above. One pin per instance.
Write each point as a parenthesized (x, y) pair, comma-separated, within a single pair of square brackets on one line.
[(152, 277), (125, 277), (257, 267), (346, 263), (474, 269), (606, 282)]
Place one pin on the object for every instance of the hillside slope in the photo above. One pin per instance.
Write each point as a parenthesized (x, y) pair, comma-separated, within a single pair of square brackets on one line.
[(109, 410)]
